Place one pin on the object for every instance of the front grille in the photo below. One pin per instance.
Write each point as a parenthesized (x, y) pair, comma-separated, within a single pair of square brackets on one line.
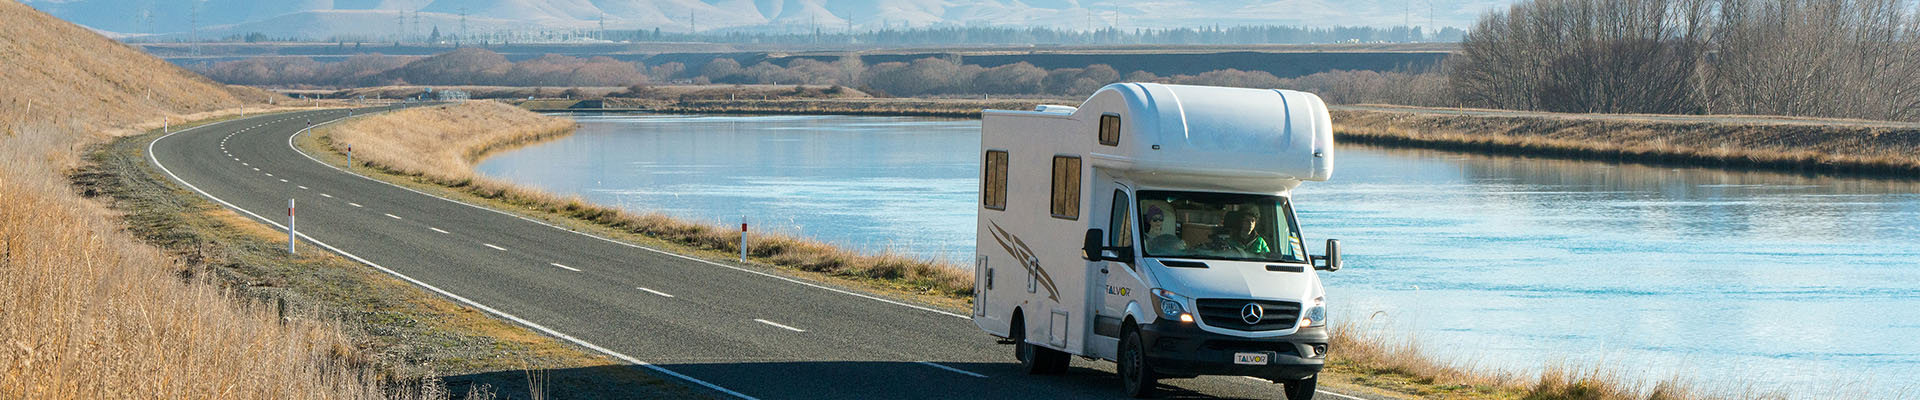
[(1225, 313), (1281, 348)]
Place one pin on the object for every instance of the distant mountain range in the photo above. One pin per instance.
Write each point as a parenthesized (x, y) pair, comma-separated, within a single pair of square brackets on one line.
[(386, 19)]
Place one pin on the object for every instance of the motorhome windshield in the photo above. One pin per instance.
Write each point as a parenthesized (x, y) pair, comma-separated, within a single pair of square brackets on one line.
[(1219, 226)]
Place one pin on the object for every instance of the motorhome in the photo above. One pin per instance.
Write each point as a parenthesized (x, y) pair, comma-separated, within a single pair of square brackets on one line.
[(1153, 226)]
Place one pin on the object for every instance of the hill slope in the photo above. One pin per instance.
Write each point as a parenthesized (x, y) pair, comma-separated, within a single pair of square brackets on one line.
[(86, 310), (75, 76)]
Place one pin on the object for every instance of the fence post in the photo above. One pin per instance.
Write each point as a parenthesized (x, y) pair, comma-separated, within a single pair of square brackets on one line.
[(291, 238)]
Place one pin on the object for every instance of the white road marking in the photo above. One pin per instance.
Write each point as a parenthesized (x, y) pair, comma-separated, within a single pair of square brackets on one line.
[(393, 216), (326, 195), (246, 164), (269, 174), (779, 325), (951, 369), (437, 230), (662, 294), (283, 181), (353, 204), (302, 187), (456, 297), (568, 268), (495, 247)]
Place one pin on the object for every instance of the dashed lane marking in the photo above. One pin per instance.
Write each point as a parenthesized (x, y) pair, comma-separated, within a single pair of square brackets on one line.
[(777, 325), (494, 247), (662, 294), (570, 268), (951, 369)]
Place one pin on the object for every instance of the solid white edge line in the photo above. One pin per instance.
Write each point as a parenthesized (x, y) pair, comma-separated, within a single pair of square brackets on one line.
[(658, 251), (778, 325), (951, 369), (437, 230), (494, 247), (1315, 390), (662, 294), (523, 322), (570, 268)]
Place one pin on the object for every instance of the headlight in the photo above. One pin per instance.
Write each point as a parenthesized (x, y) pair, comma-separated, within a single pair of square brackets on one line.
[(1170, 305), (1316, 315)]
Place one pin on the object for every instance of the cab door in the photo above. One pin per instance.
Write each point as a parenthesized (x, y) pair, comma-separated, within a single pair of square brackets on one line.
[(1118, 283)]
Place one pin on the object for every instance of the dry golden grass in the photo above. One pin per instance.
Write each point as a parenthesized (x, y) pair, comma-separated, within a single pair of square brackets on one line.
[(86, 311), (440, 144), (1813, 146)]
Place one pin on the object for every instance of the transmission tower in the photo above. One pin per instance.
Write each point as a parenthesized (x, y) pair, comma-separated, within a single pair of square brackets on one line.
[(463, 27)]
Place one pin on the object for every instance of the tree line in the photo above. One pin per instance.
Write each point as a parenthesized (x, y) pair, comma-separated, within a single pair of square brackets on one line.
[(933, 76), (1827, 58)]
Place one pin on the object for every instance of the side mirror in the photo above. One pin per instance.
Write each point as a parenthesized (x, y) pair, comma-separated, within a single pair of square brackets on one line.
[(1090, 248), (1331, 261)]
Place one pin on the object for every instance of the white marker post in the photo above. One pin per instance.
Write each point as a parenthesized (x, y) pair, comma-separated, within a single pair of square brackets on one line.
[(166, 124), (743, 239), (349, 156), (290, 222)]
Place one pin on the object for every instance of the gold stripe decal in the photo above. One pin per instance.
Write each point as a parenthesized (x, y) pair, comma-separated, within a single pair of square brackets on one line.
[(1019, 250)]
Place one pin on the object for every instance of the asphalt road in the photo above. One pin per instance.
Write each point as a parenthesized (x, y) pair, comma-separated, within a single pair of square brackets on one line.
[(738, 331)]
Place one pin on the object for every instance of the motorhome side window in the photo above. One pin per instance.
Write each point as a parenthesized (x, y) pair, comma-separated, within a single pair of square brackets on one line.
[(993, 193), (1066, 187), (1122, 226), (1110, 130)]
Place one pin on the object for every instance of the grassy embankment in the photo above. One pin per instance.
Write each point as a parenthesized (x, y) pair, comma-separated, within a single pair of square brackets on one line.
[(1774, 143), (420, 158), (86, 309)]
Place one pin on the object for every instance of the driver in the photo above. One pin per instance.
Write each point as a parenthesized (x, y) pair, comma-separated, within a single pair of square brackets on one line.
[(1239, 235)]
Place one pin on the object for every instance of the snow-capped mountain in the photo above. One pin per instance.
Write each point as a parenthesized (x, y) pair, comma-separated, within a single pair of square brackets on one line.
[(377, 18)]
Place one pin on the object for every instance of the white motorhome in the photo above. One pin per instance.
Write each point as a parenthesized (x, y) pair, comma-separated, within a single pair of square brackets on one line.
[(1152, 226)]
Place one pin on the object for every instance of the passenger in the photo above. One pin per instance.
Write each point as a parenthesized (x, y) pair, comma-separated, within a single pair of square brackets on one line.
[(1239, 235), (1160, 238)]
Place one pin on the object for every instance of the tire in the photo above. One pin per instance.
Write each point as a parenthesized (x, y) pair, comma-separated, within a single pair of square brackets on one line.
[(1136, 376), (1301, 389), (1036, 360)]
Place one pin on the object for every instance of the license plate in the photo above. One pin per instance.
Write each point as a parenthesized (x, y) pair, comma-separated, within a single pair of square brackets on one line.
[(1250, 358)]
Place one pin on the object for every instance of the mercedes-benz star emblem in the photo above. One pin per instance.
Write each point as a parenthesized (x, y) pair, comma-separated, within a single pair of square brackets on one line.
[(1252, 313)]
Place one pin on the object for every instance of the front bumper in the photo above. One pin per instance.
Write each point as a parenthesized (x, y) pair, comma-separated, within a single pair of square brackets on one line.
[(1183, 349)]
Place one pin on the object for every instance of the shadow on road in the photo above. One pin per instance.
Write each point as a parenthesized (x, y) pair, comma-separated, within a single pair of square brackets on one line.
[(839, 380)]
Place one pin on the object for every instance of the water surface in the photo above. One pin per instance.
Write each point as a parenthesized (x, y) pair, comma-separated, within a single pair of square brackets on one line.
[(1734, 279)]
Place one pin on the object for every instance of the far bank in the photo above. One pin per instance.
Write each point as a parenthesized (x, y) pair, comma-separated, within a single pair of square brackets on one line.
[(1795, 145)]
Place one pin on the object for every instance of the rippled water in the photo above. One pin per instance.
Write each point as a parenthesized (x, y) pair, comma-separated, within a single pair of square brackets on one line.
[(1734, 279)]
